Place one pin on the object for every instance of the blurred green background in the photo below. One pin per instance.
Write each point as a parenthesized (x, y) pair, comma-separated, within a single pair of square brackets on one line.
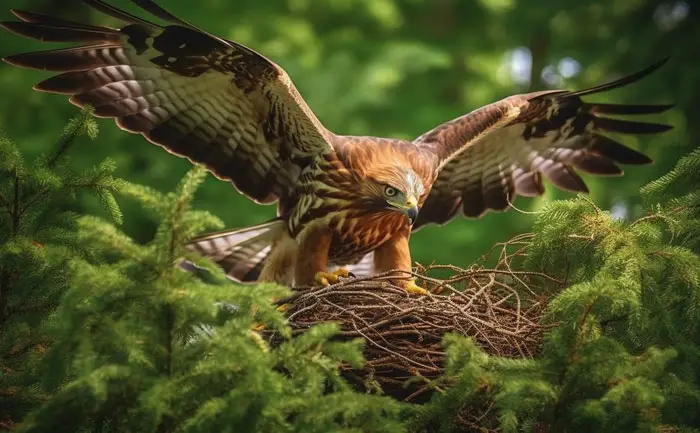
[(397, 68)]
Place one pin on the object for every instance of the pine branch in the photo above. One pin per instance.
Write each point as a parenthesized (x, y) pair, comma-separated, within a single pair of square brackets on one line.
[(167, 424), (81, 124), (5, 277)]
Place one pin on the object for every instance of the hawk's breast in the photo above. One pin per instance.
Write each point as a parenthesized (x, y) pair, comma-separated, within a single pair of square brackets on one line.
[(355, 236)]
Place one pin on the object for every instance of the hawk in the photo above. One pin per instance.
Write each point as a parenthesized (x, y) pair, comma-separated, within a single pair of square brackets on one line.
[(343, 202)]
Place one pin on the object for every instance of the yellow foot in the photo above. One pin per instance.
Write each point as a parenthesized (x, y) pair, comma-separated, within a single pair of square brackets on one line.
[(411, 287), (328, 278), (259, 327)]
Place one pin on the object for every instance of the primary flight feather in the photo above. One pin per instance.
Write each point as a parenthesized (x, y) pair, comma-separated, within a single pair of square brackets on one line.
[(342, 200)]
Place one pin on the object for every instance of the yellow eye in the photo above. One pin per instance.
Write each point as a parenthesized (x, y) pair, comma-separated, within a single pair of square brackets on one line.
[(390, 191)]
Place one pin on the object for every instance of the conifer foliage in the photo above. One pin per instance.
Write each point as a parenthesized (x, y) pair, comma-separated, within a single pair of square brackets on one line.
[(623, 354), (143, 346), (37, 239)]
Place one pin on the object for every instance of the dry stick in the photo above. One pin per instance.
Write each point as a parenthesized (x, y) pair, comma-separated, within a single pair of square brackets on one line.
[(404, 332), (386, 349)]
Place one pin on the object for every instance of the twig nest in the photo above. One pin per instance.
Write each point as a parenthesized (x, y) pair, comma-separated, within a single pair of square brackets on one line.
[(499, 308)]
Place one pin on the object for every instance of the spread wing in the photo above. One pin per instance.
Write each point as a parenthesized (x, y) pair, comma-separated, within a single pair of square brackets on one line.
[(198, 96), (505, 149)]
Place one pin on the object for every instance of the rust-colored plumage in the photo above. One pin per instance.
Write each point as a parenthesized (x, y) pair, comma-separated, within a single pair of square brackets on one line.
[(342, 201)]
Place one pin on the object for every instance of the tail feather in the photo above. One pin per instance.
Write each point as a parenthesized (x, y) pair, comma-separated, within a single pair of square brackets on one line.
[(241, 253)]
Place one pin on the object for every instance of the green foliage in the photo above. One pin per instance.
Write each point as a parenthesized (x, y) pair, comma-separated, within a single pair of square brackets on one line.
[(141, 345), (104, 333), (628, 321), (37, 240), (624, 354)]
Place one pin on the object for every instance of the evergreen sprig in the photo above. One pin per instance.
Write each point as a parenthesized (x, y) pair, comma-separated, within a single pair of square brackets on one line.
[(37, 240), (130, 343)]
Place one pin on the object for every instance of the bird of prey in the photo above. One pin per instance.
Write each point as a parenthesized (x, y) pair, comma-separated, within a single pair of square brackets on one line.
[(344, 203)]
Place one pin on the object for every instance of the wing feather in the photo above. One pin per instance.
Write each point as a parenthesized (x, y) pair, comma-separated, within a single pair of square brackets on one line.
[(505, 149), (213, 101), (119, 14)]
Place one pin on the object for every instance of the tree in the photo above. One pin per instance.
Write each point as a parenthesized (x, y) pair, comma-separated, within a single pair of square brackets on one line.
[(37, 240), (141, 345), (624, 352)]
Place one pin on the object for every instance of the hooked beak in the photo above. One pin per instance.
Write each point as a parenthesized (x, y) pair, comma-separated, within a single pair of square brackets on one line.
[(411, 209)]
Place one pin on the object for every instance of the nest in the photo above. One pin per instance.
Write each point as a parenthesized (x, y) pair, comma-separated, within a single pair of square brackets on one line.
[(498, 307)]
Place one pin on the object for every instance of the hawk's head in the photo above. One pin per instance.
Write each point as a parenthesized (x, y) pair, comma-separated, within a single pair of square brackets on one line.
[(396, 187)]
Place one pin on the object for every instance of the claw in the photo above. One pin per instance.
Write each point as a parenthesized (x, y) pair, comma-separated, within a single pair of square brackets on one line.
[(328, 278), (411, 287), (259, 327)]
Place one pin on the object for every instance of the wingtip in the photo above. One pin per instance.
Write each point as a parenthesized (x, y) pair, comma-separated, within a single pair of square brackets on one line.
[(10, 60), (659, 63), (26, 60), (12, 27), (624, 81), (653, 67), (25, 16)]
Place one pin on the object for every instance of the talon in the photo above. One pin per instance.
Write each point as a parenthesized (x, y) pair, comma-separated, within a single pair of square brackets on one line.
[(414, 289), (259, 327), (321, 279), (259, 340), (342, 272), (328, 278)]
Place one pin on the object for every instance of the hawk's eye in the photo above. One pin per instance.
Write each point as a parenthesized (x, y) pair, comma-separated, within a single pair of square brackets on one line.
[(390, 191)]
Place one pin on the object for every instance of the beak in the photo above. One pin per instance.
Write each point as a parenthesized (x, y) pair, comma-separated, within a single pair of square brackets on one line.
[(412, 209)]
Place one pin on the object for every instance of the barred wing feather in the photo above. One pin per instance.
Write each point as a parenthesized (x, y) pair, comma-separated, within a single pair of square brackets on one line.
[(505, 149), (210, 100)]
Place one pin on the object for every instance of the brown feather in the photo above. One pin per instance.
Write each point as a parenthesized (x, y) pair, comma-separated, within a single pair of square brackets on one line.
[(69, 59), (61, 33), (119, 14), (617, 152), (529, 184), (596, 164), (500, 150), (212, 101), (622, 81), (623, 109), (629, 127)]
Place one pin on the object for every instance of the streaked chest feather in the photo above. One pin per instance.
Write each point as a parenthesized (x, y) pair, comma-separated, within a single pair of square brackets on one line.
[(330, 194), (355, 236)]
